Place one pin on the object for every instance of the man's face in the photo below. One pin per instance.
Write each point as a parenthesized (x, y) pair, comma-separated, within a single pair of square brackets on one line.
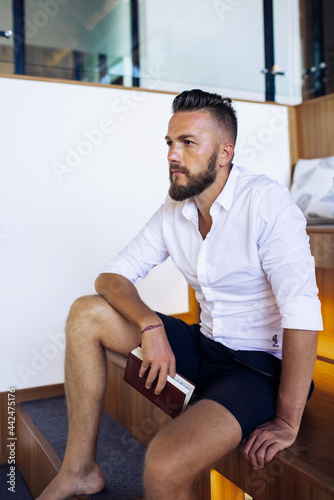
[(192, 140)]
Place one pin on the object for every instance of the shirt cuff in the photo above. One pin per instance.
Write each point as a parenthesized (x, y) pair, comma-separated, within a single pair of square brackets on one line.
[(119, 268), (302, 315)]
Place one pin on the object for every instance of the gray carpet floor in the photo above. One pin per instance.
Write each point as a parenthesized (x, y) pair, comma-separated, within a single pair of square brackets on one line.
[(119, 454)]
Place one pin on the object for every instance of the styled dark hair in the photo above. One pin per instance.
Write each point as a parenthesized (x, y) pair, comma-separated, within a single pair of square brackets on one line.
[(221, 108)]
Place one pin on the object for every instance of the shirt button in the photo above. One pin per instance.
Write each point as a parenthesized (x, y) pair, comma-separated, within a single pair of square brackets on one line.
[(195, 262)]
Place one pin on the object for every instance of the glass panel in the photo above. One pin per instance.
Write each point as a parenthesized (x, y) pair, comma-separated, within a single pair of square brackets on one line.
[(6, 44), (78, 39), (287, 51), (72, 39), (217, 44)]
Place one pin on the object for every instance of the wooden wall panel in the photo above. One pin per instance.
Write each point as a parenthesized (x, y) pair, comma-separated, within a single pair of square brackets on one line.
[(325, 281), (293, 138), (315, 122)]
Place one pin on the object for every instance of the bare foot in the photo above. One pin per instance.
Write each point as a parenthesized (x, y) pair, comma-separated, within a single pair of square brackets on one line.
[(78, 482)]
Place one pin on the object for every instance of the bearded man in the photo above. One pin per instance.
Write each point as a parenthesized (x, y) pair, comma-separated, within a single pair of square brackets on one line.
[(241, 244)]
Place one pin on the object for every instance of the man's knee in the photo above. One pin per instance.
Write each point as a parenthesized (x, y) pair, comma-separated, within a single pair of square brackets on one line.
[(156, 473), (85, 311), (164, 470)]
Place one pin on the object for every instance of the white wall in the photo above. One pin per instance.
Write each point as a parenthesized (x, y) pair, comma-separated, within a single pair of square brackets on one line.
[(81, 170), (78, 164)]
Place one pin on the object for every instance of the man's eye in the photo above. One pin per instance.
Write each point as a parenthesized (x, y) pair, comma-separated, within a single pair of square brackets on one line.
[(169, 143), (188, 142)]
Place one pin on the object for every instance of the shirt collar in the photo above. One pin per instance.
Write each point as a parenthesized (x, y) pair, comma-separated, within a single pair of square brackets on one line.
[(189, 210), (225, 197)]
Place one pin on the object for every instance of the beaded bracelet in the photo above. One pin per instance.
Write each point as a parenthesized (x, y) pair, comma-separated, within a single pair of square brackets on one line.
[(151, 327)]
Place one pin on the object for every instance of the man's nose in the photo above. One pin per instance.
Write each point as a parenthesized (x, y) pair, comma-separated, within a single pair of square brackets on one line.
[(174, 154)]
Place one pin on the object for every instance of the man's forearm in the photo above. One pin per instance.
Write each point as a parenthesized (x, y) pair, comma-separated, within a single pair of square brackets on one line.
[(299, 355), (158, 356), (298, 361), (123, 296)]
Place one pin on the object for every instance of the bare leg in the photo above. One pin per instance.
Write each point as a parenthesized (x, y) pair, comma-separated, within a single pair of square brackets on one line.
[(92, 326), (185, 448)]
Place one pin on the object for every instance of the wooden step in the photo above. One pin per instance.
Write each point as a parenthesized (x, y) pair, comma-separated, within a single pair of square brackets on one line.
[(37, 461), (41, 448)]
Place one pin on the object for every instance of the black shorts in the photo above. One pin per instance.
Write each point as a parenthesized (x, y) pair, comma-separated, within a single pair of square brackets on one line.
[(244, 382)]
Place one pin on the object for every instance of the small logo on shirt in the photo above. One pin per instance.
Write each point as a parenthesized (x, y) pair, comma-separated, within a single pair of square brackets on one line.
[(275, 339)]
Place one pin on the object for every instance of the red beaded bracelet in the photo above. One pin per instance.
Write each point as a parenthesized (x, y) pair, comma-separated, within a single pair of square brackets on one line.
[(151, 327)]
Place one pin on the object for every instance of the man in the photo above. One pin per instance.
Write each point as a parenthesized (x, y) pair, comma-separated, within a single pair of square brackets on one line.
[(241, 244)]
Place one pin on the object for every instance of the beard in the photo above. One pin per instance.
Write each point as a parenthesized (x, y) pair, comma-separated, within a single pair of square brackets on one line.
[(196, 183)]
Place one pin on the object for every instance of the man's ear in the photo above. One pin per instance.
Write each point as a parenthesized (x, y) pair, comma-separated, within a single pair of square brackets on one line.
[(226, 154)]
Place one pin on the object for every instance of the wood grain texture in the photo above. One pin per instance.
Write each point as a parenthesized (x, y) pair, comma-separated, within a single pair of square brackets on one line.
[(35, 458), (322, 247), (325, 281), (223, 489), (293, 137), (315, 124), (87, 84)]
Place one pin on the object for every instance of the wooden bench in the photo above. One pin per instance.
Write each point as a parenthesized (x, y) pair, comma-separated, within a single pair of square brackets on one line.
[(305, 471)]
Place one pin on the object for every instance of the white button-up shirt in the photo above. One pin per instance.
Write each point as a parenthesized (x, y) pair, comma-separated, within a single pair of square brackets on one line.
[(253, 274)]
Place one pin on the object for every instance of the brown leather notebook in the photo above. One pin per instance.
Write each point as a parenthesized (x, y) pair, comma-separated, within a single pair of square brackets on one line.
[(176, 394)]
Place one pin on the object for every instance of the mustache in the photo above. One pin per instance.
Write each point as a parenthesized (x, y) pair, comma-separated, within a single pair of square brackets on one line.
[(173, 167)]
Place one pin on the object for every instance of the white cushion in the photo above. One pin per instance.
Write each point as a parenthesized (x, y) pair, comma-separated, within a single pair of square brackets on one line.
[(313, 189)]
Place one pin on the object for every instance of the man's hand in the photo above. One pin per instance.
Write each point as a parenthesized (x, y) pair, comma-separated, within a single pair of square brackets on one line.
[(265, 441), (158, 357)]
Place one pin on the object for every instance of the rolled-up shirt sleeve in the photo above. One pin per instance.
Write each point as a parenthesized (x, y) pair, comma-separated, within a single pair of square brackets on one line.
[(143, 252), (284, 250)]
